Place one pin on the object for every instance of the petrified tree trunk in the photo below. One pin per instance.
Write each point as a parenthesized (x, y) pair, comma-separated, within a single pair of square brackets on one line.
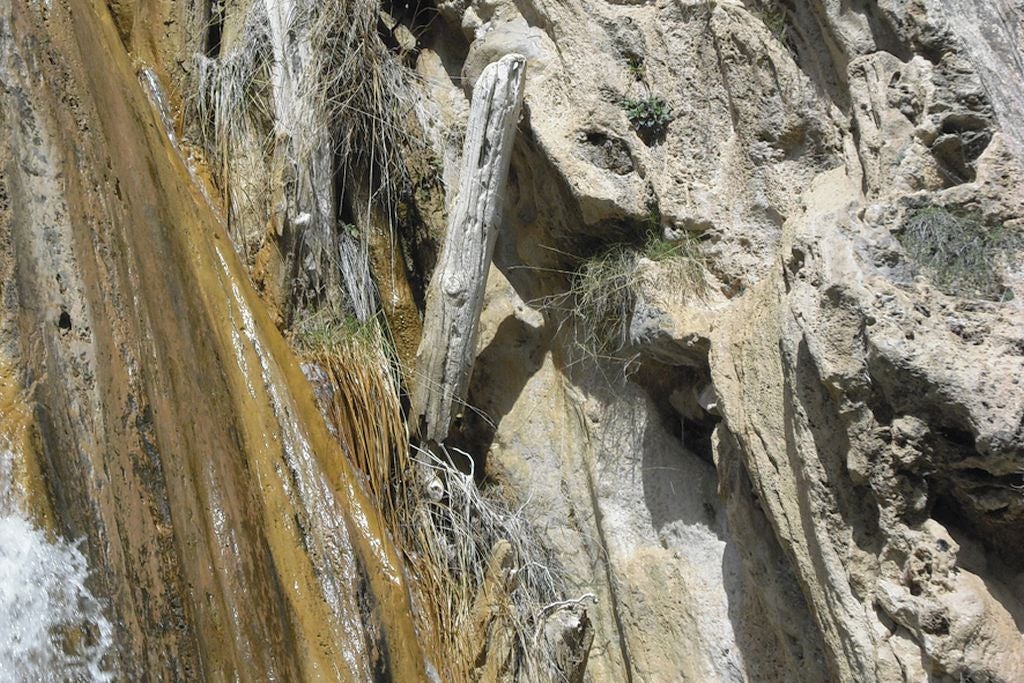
[(456, 294)]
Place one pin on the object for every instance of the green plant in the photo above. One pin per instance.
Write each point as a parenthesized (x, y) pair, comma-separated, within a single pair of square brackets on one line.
[(650, 115), (329, 329), (636, 68), (685, 249), (350, 229), (960, 254), (774, 17)]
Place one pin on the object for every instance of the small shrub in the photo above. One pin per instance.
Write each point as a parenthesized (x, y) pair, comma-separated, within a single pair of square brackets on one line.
[(957, 251), (774, 18), (650, 116), (603, 297)]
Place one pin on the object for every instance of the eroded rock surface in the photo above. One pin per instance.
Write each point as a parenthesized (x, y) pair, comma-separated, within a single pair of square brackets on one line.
[(859, 520), (808, 467)]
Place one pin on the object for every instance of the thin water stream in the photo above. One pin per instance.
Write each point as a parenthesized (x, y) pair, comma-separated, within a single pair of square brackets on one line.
[(52, 627)]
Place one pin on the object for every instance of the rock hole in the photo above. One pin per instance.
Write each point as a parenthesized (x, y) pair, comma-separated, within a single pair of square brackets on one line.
[(214, 29), (937, 624), (417, 15), (958, 437), (605, 152), (696, 437), (64, 321)]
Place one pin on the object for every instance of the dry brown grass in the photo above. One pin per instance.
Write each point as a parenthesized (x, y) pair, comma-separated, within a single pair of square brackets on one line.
[(232, 103), (960, 253), (478, 568), (351, 106), (354, 91)]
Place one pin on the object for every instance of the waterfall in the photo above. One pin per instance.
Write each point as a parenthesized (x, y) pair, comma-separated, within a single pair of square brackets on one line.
[(224, 527), (52, 628)]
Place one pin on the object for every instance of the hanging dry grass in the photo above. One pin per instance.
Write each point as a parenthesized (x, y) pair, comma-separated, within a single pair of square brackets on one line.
[(498, 576), (361, 94), (349, 106), (232, 102), (603, 292), (352, 92), (484, 584), (363, 412)]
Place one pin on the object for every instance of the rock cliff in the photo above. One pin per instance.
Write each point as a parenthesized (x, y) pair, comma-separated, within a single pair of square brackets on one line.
[(751, 351)]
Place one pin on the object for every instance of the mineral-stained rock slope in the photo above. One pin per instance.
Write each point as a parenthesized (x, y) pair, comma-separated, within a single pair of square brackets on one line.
[(749, 365)]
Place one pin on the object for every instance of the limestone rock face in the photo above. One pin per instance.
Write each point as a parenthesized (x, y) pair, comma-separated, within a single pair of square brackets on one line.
[(811, 471), (799, 457)]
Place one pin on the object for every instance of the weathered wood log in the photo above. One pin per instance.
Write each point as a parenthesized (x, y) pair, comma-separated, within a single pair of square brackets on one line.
[(456, 293)]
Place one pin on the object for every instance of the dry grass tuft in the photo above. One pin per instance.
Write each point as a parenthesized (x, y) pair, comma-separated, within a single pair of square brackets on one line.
[(352, 370), (603, 291), (361, 94), (338, 116), (232, 103), (497, 574), (961, 255)]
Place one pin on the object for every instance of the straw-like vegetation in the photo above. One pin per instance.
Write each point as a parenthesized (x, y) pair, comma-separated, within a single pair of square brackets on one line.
[(479, 570), (329, 125), (478, 566), (961, 255), (604, 290), (232, 102), (497, 575), (346, 81), (351, 367), (361, 94)]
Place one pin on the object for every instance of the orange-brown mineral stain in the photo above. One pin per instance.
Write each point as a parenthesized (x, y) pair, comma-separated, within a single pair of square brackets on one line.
[(234, 540)]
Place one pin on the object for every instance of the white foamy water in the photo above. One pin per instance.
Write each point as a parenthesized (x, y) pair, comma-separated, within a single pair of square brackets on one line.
[(51, 626)]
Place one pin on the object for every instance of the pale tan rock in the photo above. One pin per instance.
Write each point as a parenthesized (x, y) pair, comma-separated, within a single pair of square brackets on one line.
[(858, 403)]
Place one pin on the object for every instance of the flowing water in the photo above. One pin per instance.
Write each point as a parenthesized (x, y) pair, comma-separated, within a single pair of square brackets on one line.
[(51, 625), (223, 532)]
